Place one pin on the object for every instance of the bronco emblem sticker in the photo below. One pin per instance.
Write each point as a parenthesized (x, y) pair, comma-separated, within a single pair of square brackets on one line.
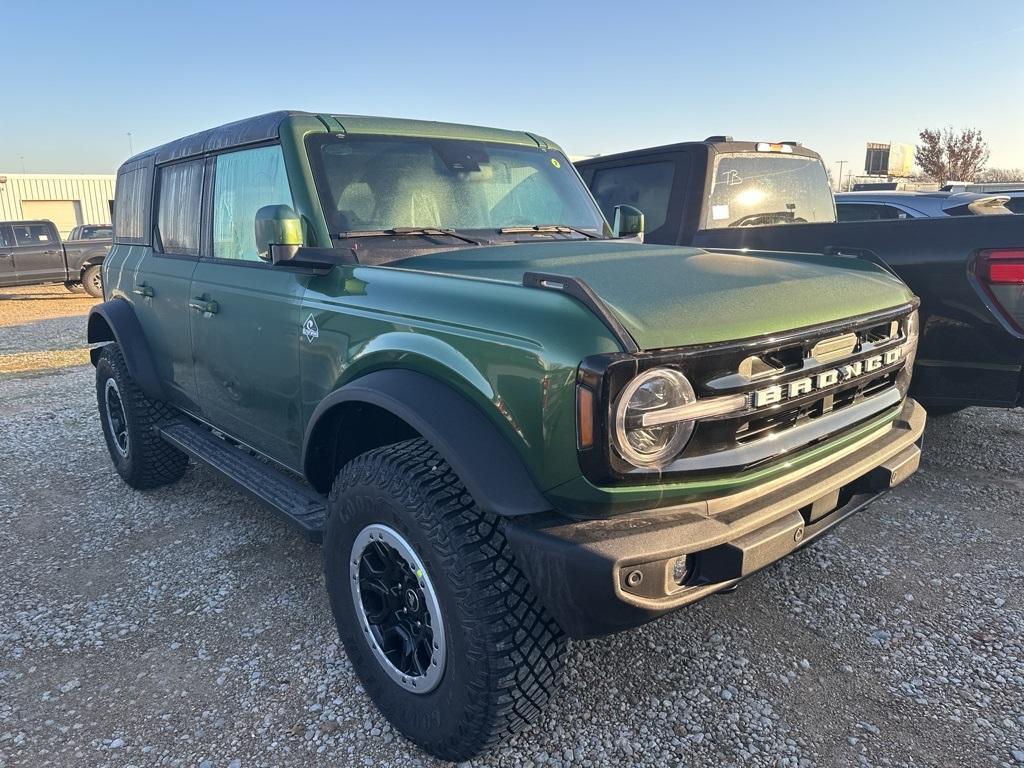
[(309, 329)]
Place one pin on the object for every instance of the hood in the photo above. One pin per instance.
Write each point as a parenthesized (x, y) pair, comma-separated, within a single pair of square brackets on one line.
[(668, 296)]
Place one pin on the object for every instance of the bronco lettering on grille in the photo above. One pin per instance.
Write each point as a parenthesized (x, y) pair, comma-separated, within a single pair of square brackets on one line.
[(778, 393)]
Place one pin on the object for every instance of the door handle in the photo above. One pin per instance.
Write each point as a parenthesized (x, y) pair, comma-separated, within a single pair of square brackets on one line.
[(202, 305), (144, 290)]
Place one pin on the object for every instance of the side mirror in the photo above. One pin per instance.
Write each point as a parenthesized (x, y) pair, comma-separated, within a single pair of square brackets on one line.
[(628, 222), (278, 233)]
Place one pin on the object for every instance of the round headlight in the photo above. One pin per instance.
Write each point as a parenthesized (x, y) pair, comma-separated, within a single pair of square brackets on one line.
[(653, 390)]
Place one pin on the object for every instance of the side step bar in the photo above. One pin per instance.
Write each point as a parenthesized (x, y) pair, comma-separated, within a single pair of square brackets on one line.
[(296, 502)]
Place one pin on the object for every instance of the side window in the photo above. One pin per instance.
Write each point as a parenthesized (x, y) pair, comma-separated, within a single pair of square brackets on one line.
[(868, 212), (131, 203), (646, 187), (244, 182), (178, 220), (32, 234), (6, 237)]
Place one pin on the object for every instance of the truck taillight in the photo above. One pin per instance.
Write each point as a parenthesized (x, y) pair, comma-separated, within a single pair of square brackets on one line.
[(1001, 273)]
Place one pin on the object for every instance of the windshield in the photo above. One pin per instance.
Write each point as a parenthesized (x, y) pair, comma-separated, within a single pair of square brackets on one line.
[(755, 190), (371, 183)]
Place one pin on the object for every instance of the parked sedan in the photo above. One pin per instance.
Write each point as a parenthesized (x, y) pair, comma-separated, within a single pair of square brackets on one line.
[(875, 206)]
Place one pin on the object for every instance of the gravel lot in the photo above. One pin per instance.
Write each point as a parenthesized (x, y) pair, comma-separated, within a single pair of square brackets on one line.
[(185, 627)]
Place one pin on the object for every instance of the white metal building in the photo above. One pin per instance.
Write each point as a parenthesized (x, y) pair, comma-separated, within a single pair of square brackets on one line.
[(66, 200)]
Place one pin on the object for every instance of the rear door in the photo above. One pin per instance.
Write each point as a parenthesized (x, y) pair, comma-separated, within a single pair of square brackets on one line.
[(7, 273), (244, 312), (38, 255), (159, 284)]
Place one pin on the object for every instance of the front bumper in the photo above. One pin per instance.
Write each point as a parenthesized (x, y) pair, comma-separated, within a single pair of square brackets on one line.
[(602, 576)]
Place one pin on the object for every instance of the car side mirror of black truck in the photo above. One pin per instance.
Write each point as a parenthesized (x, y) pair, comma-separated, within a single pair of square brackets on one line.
[(628, 222), (278, 233)]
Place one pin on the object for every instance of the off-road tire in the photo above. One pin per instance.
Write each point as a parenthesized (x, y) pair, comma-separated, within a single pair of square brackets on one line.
[(92, 282), (504, 652), (150, 461), (74, 286)]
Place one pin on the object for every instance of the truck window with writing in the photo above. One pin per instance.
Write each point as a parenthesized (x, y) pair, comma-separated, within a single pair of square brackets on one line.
[(755, 189)]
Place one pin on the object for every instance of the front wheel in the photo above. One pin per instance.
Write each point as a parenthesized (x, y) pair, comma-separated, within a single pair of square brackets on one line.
[(444, 631), (92, 281)]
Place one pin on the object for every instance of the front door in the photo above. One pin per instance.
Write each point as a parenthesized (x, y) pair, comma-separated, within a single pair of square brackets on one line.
[(39, 256), (7, 273), (244, 313)]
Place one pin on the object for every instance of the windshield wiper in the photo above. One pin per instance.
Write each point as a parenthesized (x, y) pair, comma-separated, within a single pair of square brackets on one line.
[(401, 231), (561, 228)]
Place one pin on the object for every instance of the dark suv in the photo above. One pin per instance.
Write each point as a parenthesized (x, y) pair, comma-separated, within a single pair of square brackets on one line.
[(508, 422)]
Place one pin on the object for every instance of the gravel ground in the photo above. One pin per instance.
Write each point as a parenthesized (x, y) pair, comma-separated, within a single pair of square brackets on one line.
[(186, 627)]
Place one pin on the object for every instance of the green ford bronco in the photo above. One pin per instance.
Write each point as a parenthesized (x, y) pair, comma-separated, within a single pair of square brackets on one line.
[(508, 422)]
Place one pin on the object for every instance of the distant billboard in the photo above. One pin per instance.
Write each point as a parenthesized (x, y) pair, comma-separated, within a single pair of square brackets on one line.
[(892, 160)]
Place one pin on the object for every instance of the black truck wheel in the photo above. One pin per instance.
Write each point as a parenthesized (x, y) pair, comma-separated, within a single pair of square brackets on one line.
[(92, 281), (129, 420), (444, 631), (74, 287)]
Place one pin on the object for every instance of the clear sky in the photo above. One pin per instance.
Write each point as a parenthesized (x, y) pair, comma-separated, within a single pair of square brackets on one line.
[(597, 77)]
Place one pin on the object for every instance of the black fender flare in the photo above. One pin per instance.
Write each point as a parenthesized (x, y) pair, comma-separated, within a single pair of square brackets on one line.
[(480, 455), (115, 320), (94, 259)]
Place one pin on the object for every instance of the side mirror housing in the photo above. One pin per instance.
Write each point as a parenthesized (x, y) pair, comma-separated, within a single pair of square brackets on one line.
[(628, 222), (278, 233)]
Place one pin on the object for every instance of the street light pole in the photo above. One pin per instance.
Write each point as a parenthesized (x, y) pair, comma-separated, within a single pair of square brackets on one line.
[(839, 186), (131, 150)]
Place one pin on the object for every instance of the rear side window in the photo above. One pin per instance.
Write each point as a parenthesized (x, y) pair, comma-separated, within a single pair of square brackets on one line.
[(753, 189), (647, 187), (6, 237), (179, 210), (243, 183), (32, 234), (868, 212), (131, 206)]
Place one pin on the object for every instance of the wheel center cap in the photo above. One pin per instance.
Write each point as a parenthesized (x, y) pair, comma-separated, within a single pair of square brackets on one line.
[(412, 600)]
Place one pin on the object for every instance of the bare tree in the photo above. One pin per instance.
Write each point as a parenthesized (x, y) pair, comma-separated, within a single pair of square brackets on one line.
[(950, 155), (1001, 175)]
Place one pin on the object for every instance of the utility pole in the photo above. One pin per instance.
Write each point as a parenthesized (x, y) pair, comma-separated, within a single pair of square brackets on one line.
[(131, 150), (23, 164), (840, 185)]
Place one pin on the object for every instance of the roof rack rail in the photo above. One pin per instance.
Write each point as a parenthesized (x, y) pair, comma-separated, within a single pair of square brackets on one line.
[(713, 139)]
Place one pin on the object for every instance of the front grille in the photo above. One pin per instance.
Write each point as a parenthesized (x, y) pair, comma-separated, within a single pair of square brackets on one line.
[(784, 412), (776, 423)]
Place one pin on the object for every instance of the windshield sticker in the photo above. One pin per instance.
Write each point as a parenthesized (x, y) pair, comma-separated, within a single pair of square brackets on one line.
[(554, 162), (719, 212), (731, 178)]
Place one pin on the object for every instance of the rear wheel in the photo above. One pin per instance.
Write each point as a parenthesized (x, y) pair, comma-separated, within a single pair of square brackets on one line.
[(92, 281), (444, 631), (130, 421)]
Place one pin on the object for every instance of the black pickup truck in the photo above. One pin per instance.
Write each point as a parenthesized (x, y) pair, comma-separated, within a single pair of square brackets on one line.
[(31, 252), (968, 271)]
